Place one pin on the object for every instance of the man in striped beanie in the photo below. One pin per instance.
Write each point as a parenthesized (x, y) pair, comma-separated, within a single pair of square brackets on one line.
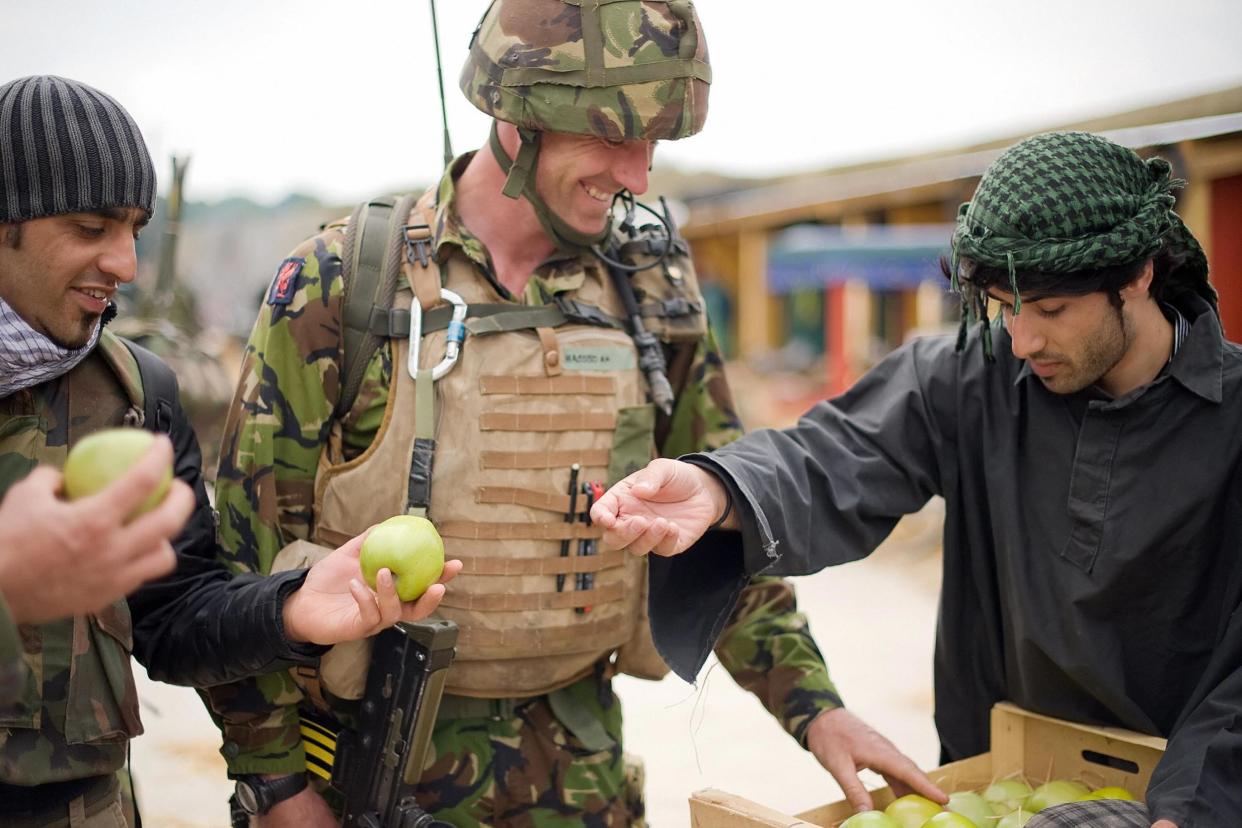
[(82, 585), (1088, 453)]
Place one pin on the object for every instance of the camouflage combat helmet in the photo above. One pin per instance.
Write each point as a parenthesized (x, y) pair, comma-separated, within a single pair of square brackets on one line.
[(616, 69)]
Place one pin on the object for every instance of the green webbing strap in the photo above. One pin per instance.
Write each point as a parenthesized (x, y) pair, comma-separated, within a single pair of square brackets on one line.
[(523, 169), (373, 251), (540, 316), (521, 181), (497, 318), (579, 720), (418, 492)]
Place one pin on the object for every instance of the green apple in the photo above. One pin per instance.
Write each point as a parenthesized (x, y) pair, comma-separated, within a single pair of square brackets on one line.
[(972, 806), (1056, 792), (1111, 792), (1015, 820), (912, 810), (410, 548), (948, 819), (870, 819), (99, 459), (1005, 795)]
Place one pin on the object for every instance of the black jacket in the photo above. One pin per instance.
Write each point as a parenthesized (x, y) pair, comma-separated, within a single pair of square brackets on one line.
[(203, 625), (1092, 566)]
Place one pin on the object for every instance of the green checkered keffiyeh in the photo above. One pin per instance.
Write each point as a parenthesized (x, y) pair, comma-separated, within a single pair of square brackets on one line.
[(1064, 202)]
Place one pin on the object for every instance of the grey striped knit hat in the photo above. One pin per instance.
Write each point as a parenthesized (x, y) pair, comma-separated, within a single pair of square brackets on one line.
[(66, 147)]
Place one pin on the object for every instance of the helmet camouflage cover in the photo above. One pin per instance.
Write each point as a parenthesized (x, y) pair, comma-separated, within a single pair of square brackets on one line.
[(616, 69)]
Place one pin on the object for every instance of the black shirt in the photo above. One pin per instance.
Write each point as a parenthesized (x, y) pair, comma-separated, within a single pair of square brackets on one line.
[(1092, 546)]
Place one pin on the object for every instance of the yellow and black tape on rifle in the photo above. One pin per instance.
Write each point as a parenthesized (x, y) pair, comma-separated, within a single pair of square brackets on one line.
[(319, 742)]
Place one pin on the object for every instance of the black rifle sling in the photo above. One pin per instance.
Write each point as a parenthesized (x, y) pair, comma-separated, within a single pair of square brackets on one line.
[(159, 388), (371, 263)]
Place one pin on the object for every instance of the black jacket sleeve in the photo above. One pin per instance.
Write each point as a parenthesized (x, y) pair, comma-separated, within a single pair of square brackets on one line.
[(824, 492), (1198, 783), (202, 625)]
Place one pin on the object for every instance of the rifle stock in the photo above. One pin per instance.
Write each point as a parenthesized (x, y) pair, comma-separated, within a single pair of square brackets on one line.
[(378, 764)]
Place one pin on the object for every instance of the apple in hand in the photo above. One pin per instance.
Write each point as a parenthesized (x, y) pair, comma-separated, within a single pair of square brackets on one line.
[(99, 459), (410, 548)]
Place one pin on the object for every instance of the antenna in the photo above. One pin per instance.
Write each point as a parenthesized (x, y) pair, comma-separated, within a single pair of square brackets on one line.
[(435, 34)]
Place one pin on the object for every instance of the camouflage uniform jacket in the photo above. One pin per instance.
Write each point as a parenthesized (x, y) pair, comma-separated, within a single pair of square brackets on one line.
[(68, 703), (280, 422)]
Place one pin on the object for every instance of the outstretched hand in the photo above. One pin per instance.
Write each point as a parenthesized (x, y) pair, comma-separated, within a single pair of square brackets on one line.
[(663, 508), (333, 604), (844, 744)]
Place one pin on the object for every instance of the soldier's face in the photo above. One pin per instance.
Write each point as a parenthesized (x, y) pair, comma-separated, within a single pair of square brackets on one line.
[(65, 268), (578, 175)]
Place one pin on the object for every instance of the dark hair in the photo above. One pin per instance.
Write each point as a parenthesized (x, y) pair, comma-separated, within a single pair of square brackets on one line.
[(13, 235), (1109, 280)]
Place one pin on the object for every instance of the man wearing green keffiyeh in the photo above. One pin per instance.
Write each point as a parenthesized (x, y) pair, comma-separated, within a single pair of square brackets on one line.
[(1088, 453)]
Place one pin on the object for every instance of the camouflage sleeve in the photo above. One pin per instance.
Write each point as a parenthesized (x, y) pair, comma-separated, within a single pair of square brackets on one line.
[(277, 426), (12, 665), (767, 646), (768, 649)]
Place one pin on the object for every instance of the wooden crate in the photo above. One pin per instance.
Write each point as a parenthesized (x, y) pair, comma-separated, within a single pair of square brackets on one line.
[(1023, 743)]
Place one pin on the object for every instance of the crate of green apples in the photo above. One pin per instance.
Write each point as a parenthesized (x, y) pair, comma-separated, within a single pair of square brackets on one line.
[(1035, 762)]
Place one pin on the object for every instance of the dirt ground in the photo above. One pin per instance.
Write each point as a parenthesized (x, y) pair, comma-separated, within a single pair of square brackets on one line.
[(873, 619)]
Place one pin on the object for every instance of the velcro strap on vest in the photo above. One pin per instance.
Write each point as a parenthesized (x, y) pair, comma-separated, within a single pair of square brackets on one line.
[(570, 421), (480, 565), (587, 458), (520, 602), (548, 501), (563, 384), (470, 530), (589, 636)]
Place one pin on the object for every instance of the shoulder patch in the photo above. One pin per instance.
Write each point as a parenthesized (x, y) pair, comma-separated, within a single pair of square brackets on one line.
[(286, 282)]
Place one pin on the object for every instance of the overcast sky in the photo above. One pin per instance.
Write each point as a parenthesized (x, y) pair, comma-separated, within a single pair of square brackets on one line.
[(338, 99)]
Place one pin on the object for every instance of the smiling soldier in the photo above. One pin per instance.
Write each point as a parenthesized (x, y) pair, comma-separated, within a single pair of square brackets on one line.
[(504, 439)]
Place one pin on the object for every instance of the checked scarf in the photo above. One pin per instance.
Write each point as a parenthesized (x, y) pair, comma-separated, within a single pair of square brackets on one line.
[(28, 358), (1063, 202)]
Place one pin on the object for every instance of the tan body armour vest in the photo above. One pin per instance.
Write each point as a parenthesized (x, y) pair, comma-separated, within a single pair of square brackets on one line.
[(79, 706), (511, 417)]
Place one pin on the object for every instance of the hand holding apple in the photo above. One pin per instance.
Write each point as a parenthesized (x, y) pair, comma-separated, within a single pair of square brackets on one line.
[(60, 558), (410, 548), (100, 459), (333, 605)]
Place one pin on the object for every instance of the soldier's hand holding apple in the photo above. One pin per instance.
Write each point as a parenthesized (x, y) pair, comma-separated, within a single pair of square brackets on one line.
[(403, 561)]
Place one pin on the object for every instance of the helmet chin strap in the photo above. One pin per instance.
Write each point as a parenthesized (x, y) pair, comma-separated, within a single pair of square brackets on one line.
[(521, 182)]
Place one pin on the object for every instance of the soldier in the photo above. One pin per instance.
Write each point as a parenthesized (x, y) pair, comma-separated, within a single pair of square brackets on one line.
[(76, 188), (546, 401), (1089, 465)]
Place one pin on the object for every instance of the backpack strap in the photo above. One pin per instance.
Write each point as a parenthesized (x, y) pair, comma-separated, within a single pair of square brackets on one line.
[(370, 262), (159, 388)]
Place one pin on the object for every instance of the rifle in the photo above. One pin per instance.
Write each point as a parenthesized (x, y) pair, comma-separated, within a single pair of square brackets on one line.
[(377, 766)]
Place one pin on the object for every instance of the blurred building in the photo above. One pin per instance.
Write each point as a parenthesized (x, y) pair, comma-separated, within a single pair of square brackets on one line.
[(829, 270)]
